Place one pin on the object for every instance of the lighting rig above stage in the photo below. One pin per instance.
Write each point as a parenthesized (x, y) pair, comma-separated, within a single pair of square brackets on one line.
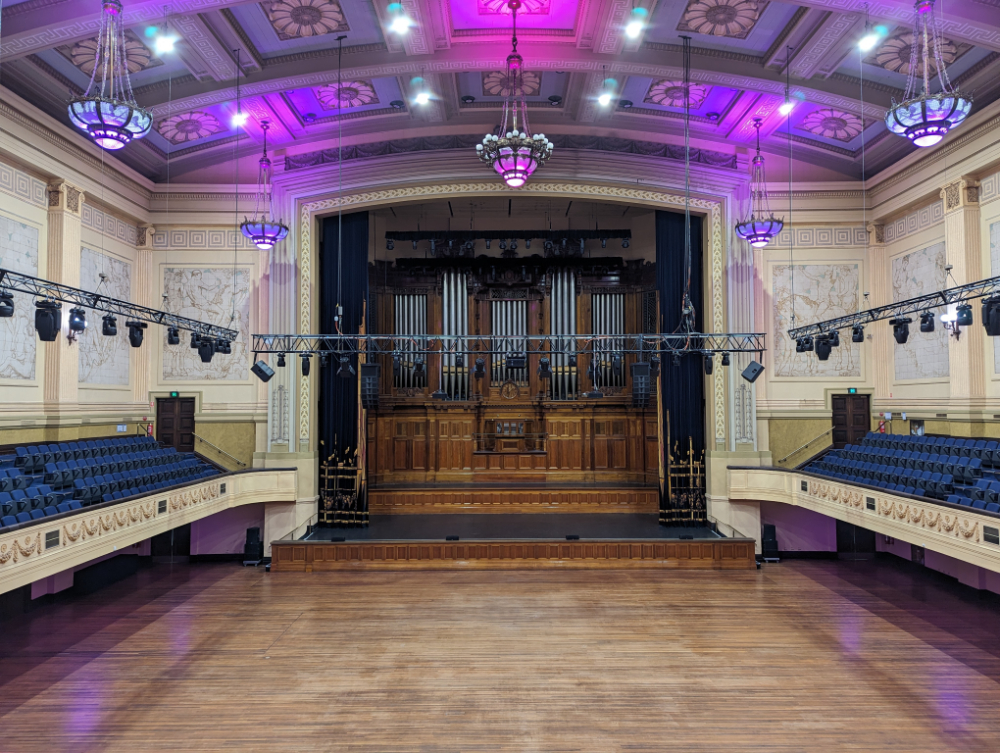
[(462, 243)]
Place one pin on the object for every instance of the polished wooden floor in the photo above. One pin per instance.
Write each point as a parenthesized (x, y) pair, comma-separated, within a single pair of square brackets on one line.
[(802, 656)]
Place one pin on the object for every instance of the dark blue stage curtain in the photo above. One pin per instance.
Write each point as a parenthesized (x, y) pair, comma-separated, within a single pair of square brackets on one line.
[(338, 397), (682, 384)]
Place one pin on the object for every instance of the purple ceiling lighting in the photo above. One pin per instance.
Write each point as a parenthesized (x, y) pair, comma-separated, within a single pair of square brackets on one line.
[(925, 118), (263, 232), (761, 227), (109, 113), (514, 154)]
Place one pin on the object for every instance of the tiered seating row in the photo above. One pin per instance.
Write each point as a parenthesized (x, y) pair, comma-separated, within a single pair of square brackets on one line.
[(934, 466)]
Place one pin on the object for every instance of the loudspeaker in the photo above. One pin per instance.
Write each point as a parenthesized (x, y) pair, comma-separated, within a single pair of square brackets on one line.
[(640, 384), (263, 371), (370, 376), (751, 372), (253, 549), (769, 542)]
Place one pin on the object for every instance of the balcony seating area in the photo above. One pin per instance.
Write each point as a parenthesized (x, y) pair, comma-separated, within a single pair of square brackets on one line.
[(44, 480), (940, 467)]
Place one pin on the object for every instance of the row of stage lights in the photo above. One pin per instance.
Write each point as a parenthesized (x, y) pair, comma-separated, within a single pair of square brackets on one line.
[(478, 369), (504, 245), (48, 323), (962, 317)]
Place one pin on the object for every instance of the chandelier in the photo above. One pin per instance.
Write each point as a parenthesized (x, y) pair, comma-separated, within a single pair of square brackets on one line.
[(262, 231), (761, 226), (109, 113), (515, 154), (925, 118)]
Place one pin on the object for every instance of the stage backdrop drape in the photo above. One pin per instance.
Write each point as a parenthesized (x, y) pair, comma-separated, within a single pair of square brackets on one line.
[(682, 385), (338, 397)]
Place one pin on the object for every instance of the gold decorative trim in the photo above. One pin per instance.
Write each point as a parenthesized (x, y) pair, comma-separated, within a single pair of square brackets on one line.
[(309, 209)]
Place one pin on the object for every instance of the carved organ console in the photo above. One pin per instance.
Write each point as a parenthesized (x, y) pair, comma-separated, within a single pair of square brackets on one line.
[(458, 417)]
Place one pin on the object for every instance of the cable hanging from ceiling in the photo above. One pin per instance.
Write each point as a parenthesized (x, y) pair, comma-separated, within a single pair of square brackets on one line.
[(107, 111)]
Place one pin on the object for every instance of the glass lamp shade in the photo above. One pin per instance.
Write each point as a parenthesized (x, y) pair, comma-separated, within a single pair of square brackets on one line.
[(111, 123), (263, 232), (515, 157), (926, 119), (759, 232)]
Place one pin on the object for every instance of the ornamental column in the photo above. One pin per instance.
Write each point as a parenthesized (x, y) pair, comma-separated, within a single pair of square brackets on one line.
[(62, 361), (882, 362), (966, 354), (147, 293)]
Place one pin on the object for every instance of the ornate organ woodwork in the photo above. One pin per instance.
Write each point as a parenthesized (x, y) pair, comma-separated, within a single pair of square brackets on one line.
[(444, 418)]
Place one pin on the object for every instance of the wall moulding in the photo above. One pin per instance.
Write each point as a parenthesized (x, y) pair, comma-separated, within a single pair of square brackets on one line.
[(311, 210)]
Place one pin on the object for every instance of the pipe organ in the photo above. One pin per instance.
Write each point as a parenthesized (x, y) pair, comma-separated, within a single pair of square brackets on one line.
[(447, 422)]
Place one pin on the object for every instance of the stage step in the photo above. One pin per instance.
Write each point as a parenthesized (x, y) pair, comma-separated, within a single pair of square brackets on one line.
[(580, 499), (704, 554)]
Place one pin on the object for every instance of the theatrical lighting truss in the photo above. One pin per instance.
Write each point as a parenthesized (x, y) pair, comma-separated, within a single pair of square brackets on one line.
[(957, 296), (53, 291), (459, 243), (696, 343)]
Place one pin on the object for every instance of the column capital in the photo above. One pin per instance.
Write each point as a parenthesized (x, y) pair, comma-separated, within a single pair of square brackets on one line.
[(144, 236), (876, 233), (65, 196), (960, 193)]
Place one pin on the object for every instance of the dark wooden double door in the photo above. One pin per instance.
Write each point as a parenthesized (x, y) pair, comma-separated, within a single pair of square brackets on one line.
[(175, 422), (851, 419)]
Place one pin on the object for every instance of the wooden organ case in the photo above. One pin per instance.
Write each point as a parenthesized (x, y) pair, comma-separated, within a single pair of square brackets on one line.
[(484, 432)]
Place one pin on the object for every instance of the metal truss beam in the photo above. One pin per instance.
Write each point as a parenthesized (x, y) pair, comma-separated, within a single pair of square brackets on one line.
[(53, 291), (462, 236), (679, 343), (946, 297)]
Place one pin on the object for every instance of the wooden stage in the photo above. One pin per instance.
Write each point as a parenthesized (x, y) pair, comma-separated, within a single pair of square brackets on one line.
[(801, 656), (518, 541)]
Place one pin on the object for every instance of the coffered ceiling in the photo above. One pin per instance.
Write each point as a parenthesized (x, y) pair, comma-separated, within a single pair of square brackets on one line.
[(455, 50)]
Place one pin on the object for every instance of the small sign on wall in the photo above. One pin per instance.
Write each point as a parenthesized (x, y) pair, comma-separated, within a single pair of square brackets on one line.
[(122, 428)]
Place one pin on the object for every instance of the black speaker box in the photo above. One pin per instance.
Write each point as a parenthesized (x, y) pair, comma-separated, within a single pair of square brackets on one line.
[(751, 372), (263, 371), (640, 384), (371, 374), (253, 549)]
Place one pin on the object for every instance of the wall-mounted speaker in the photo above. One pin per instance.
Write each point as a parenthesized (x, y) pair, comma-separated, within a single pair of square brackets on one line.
[(370, 376), (263, 371), (751, 372)]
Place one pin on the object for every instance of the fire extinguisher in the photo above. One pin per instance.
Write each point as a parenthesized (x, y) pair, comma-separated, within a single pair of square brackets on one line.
[(881, 427)]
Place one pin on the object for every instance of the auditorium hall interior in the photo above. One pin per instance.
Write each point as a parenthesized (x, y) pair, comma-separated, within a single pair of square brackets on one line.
[(543, 376)]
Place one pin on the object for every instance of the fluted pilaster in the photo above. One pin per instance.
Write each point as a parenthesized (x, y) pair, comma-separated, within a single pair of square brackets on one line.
[(145, 291), (880, 294)]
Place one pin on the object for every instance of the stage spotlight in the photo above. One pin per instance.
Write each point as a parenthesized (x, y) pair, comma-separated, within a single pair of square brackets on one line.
[(823, 348), (397, 367), (513, 245), (544, 368), (135, 332), (654, 366), (418, 367), (48, 320), (479, 370), (548, 246), (583, 247), (572, 361), (804, 345), (527, 243), (709, 363), (604, 242), (281, 360), (195, 338), (77, 319), (323, 361), (488, 241), (591, 372), (6, 305), (963, 314), (345, 370), (901, 329), (834, 337), (263, 371), (459, 361), (306, 363), (616, 364), (390, 244), (414, 245), (857, 334), (625, 242), (927, 321), (206, 349), (725, 359), (173, 336), (991, 316), (503, 245)]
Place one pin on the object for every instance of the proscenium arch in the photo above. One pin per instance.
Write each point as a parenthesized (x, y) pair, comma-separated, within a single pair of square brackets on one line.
[(311, 210)]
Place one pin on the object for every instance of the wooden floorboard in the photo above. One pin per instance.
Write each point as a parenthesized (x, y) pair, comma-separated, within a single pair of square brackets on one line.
[(802, 656)]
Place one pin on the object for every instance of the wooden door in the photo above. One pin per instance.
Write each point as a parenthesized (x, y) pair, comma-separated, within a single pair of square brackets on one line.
[(851, 419), (175, 422)]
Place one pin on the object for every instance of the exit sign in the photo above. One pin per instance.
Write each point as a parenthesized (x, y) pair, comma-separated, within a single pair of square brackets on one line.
[(177, 394), (850, 391)]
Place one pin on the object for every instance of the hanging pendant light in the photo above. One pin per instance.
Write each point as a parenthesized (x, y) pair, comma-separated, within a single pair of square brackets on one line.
[(925, 118), (263, 232), (761, 226), (515, 154), (108, 112)]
